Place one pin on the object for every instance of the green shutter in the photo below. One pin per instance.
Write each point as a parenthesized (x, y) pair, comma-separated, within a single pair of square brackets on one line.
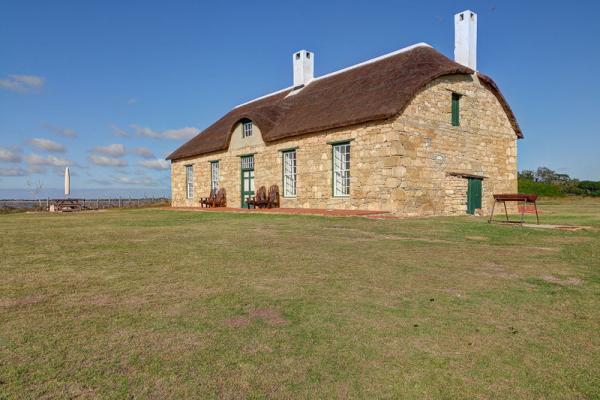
[(455, 109)]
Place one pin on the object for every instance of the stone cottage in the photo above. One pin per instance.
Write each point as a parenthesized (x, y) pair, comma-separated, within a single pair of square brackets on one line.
[(411, 132)]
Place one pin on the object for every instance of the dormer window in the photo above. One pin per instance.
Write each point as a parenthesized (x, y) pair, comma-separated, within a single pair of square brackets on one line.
[(246, 129)]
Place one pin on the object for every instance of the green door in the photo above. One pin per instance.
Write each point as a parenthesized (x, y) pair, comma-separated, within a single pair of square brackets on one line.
[(247, 178), (473, 195)]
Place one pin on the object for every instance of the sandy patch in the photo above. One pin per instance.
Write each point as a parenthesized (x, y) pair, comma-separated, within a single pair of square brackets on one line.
[(269, 316), (563, 282), (23, 301), (477, 238), (492, 268), (238, 321)]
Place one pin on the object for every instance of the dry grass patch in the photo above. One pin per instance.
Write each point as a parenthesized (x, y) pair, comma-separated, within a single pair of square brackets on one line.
[(169, 304), (562, 281)]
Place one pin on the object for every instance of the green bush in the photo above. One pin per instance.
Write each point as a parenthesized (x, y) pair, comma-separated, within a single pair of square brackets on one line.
[(540, 188), (588, 188), (546, 182)]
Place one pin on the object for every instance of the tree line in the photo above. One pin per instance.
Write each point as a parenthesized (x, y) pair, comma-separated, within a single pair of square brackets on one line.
[(546, 182)]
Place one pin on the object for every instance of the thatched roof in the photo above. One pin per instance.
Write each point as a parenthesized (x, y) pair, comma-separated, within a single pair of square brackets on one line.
[(374, 90)]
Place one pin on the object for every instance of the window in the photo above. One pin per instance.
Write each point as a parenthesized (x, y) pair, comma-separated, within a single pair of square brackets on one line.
[(341, 169), (246, 129), (189, 181), (289, 173), (214, 175), (248, 162), (455, 109)]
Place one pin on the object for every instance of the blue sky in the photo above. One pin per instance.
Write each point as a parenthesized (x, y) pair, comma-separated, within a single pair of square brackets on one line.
[(111, 87)]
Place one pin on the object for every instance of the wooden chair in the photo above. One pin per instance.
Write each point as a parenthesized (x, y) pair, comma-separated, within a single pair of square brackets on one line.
[(208, 201), (259, 200), (273, 197), (220, 198)]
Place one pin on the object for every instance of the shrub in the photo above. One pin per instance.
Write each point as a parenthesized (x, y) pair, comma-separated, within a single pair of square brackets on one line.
[(540, 188)]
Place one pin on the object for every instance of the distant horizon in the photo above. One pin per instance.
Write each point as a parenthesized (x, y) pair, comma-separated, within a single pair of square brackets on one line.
[(90, 193)]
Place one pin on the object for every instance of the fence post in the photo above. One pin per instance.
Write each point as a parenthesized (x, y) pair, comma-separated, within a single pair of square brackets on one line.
[(97, 203), (119, 201)]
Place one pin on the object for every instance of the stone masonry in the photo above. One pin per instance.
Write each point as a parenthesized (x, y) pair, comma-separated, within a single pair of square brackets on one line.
[(413, 164)]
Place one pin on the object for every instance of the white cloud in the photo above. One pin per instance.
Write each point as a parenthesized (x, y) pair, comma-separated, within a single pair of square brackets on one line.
[(47, 144), (18, 171), (35, 169), (34, 159), (61, 131), (12, 171), (138, 180), (61, 172), (107, 161), (181, 133), (114, 150), (10, 155), (143, 152), (102, 182), (142, 131), (119, 132), (22, 83), (155, 164)]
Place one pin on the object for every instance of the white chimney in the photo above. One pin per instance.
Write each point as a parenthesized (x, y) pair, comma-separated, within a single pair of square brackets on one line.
[(304, 67), (465, 39)]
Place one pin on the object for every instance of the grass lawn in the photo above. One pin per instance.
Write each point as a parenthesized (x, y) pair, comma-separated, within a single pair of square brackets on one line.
[(171, 304)]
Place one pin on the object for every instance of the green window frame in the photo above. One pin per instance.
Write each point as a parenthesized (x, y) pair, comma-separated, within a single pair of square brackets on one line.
[(340, 169), (247, 177), (456, 109)]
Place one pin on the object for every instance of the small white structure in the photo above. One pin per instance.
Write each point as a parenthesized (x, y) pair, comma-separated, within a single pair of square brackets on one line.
[(304, 67), (465, 39), (67, 182)]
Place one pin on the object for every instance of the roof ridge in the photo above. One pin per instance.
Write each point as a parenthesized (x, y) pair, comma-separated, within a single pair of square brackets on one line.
[(264, 96), (369, 61), (372, 60)]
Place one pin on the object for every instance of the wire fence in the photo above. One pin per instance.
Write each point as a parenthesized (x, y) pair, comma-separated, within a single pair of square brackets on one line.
[(86, 203)]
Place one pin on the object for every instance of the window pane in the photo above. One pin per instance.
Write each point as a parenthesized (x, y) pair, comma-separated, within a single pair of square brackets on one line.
[(341, 170), (246, 129), (289, 173), (189, 181), (214, 175), (248, 162), (455, 109)]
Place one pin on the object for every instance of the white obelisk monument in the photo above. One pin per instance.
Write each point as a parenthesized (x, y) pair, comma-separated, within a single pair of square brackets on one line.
[(67, 182)]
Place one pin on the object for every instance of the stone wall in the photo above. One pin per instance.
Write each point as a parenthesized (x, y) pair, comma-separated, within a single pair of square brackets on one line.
[(455, 195), (407, 164)]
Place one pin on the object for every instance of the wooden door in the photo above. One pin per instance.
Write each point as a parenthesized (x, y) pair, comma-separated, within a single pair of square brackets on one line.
[(473, 195), (247, 188)]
